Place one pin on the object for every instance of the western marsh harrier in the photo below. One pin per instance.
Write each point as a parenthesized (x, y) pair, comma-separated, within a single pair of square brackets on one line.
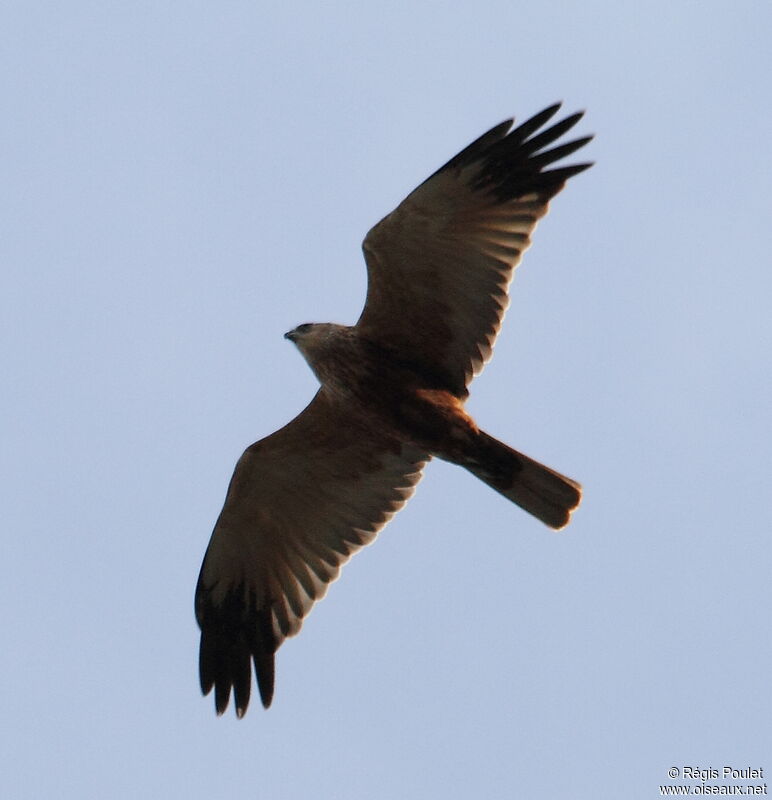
[(393, 387)]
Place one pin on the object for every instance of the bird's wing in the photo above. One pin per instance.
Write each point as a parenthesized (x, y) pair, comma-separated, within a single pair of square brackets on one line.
[(300, 502), (439, 266)]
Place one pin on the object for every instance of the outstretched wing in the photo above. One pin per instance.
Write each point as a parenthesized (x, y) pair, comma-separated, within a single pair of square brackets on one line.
[(439, 266), (300, 502)]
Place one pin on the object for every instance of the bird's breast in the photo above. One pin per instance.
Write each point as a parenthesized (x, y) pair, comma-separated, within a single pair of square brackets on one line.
[(389, 393)]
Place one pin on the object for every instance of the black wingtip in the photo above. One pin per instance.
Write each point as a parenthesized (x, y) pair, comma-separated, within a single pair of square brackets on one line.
[(516, 165), (562, 174), (524, 130), (582, 167), (546, 114), (222, 696), (264, 668), (236, 630)]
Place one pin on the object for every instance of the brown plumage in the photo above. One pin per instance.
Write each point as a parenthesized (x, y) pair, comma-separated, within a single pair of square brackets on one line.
[(392, 395)]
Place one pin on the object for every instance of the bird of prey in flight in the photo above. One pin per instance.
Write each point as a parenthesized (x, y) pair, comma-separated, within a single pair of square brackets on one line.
[(392, 393)]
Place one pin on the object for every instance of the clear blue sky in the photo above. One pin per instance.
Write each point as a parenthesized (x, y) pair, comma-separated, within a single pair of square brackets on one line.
[(182, 183)]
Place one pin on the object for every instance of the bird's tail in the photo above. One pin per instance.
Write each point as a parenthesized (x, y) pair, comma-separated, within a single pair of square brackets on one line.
[(548, 495)]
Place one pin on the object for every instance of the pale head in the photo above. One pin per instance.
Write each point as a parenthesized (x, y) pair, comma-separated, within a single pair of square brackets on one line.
[(314, 338)]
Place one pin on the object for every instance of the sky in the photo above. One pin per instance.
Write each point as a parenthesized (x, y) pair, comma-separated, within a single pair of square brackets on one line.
[(183, 183)]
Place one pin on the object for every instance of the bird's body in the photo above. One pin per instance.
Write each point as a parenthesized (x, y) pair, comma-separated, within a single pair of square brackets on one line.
[(385, 392), (392, 394)]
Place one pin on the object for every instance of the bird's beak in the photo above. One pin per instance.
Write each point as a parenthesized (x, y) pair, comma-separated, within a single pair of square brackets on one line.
[(290, 335)]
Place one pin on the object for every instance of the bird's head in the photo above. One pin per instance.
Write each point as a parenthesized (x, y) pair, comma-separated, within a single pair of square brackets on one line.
[(301, 332), (314, 338)]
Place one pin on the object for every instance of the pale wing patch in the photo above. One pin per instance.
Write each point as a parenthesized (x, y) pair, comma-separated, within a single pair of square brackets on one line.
[(293, 555), (305, 575)]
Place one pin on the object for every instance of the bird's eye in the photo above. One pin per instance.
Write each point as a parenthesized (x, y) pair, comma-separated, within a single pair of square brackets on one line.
[(304, 328)]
